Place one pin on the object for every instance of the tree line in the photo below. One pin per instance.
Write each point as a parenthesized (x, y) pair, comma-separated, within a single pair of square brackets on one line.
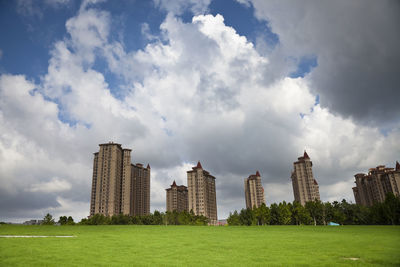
[(312, 213), (156, 218), (320, 213)]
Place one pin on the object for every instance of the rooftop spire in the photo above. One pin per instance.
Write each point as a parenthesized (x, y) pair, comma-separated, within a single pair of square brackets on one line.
[(173, 184), (199, 165), (148, 166), (397, 166), (306, 155), (258, 174)]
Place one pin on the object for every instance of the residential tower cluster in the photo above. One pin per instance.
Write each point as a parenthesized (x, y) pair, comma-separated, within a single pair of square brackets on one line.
[(374, 186), (118, 186)]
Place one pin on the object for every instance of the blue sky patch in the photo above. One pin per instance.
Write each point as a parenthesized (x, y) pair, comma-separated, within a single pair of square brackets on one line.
[(304, 66)]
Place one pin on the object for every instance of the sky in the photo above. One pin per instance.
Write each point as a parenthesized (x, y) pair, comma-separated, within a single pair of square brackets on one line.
[(240, 85)]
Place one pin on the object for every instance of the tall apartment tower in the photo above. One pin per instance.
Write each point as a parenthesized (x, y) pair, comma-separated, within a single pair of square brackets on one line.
[(141, 189), (254, 191), (108, 168), (305, 187), (374, 186), (113, 182), (177, 198), (201, 193)]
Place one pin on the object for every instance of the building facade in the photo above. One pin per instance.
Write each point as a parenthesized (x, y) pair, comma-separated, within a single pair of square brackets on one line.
[(374, 186), (113, 187), (305, 187), (177, 198), (201, 193), (141, 189), (254, 191)]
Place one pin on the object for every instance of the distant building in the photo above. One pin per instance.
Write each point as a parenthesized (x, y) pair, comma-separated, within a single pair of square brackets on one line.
[(305, 187), (374, 186), (201, 193), (33, 222), (141, 189), (177, 198), (254, 191), (116, 183)]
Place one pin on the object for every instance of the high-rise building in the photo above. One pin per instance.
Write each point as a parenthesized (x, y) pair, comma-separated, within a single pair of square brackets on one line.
[(126, 186), (305, 187), (254, 191), (201, 193), (177, 198), (113, 182), (141, 189), (374, 186)]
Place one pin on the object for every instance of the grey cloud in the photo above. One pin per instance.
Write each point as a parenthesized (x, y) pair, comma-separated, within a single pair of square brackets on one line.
[(357, 46)]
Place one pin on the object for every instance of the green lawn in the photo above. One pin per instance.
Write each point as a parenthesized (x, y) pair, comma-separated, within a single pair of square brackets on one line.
[(201, 245)]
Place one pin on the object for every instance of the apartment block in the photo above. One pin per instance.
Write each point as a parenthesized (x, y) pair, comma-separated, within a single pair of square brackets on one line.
[(177, 198), (305, 187), (254, 191), (113, 182), (374, 186), (201, 193), (141, 189)]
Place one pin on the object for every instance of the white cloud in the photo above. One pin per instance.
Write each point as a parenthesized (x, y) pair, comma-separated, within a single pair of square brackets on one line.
[(54, 185)]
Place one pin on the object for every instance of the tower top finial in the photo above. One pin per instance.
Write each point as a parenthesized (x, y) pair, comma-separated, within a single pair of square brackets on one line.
[(199, 165), (173, 184), (306, 155), (148, 166), (258, 174), (397, 166)]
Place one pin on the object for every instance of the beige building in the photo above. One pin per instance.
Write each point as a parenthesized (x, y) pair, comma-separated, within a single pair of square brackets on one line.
[(113, 187), (374, 186), (254, 191), (141, 189), (305, 187), (177, 198), (201, 193)]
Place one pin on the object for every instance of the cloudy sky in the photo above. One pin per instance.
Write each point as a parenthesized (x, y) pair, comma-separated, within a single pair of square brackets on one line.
[(241, 85)]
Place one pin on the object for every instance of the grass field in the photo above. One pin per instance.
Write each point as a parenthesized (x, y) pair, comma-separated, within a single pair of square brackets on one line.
[(201, 246)]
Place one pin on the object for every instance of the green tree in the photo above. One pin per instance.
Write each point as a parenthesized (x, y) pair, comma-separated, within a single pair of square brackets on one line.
[(314, 208), (391, 209), (299, 214), (233, 218), (70, 221), (246, 217), (157, 218), (63, 220), (48, 219), (274, 214), (263, 215), (284, 216)]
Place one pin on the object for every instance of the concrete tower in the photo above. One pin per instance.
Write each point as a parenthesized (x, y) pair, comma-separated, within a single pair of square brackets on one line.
[(201, 191), (305, 187)]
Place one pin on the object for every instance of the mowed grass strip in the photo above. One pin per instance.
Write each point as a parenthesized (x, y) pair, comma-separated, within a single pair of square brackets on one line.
[(201, 246)]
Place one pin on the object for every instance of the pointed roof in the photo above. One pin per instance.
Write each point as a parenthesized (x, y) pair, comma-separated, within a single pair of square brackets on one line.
[(306, 155), (148, 166), (397, 166), (258, 173), (199, 165), (173, 184), (315, 182)]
